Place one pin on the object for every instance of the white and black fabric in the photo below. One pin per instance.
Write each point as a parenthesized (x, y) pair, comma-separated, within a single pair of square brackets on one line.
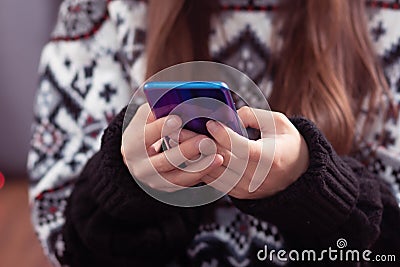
[(95, 60)]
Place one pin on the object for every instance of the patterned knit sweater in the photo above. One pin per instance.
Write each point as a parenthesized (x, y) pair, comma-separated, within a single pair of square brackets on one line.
[(86, 208)]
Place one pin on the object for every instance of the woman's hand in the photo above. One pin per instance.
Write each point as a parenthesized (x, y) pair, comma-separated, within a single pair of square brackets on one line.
[(141, 143), (262, 167)]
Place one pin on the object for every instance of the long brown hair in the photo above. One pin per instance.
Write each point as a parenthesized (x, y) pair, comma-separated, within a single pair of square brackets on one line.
[(323, 68)]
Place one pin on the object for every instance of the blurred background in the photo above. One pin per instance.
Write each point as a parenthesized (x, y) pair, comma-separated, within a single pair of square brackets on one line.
[(25, 27)]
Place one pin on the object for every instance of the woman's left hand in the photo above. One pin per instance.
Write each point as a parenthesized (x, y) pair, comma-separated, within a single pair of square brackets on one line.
[(260, 168)]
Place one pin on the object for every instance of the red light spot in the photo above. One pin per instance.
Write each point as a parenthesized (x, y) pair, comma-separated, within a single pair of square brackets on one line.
[(52, 209), (2, 180), (75, 9)]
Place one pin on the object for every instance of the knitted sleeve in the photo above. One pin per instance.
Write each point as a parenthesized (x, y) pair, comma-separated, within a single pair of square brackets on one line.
[(82, 86), (336, 198), (111, 221)]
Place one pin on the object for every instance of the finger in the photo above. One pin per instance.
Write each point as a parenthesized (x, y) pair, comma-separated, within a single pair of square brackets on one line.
[(138, 120), (241, 147), (154, 148), (182, 135), (159, 128), (206, 147), (243, 186), (229, 139), (207, 179), (252, 172), (266, 150), (180, 179), (233, 162), (214, 174), (146, 120), (172, 158), (257, 119), (134, 132), (222, 179), (151, 117)]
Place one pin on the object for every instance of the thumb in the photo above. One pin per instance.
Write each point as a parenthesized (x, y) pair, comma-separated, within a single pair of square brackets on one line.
[(260, 119)]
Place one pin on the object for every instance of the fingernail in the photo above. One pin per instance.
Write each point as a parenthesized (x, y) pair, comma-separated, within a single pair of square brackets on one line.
[(207, 147), (212, 126), (173, 122), (198, 141)]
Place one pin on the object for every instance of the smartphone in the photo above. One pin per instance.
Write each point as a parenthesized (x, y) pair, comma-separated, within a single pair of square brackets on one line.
[(195, 102)]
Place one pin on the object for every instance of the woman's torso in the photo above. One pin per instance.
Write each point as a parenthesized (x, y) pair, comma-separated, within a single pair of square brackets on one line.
[(240, 37)]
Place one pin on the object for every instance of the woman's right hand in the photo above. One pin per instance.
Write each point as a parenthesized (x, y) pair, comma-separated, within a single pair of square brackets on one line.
[(141, 142)]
